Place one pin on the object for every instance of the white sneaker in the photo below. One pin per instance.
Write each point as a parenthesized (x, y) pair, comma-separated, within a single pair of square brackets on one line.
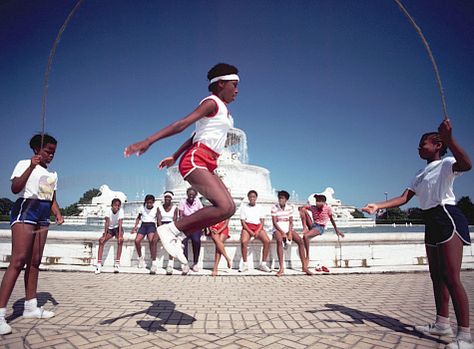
[(37, 313), (172, 243), (243, 268), (98, 269), (184, 269), (153, 268), (169, 270), (265, 268), (195, 268), (434, 329), (460, 344), (4, 327), (116, 269), (141, 262)]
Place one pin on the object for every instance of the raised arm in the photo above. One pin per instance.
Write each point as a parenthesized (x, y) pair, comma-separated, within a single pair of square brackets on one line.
[(18, 183), (463, 163), (394, 202), (205, 108)]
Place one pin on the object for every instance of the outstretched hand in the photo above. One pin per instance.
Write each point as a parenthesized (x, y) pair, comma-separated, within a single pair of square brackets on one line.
[(137, 148), (370, 208), (166, 162)]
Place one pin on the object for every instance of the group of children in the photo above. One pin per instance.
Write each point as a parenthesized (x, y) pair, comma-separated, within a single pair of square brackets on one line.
[(445, 234), (152, 214)]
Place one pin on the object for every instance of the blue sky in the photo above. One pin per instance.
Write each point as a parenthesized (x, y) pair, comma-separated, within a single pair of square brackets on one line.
[(332, 93)]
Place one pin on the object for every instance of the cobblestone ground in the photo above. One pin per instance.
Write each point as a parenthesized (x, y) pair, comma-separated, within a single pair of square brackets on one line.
[(145, 311)]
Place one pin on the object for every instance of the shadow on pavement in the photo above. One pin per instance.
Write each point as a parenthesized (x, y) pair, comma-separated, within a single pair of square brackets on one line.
[(359, 317), (18, 306), (160, 309)]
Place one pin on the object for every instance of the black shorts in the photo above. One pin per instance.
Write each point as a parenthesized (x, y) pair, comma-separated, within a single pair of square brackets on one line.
[(147, 228), (113, 231), (442, 222)]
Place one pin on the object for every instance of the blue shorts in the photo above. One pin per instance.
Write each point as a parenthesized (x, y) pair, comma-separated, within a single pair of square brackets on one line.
[(318, 227), (31, 211), (147, 228), (442, 222), (113, 231)]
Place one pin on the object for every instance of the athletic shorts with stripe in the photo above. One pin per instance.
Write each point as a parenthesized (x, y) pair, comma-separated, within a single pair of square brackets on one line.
[(443, 222), (198, 156)]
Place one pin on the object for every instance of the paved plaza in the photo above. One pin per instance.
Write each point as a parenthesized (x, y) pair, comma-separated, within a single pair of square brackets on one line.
[(254, 311)]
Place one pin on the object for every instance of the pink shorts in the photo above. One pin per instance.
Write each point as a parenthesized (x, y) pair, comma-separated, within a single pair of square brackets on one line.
[(198, 156)]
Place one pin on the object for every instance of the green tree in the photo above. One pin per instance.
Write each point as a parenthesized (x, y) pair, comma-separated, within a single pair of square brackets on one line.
[(357, 214), (467, 207), (5, 206), (88, 195)]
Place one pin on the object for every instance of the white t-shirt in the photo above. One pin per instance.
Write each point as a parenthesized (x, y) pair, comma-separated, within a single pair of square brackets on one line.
[(40, 185), (148, 215), (114, 217), (283, 216), (212, 130), (251, 214), (167, 216), (434, 184)]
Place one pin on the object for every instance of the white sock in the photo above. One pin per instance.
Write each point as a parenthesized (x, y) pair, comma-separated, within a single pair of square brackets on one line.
[(31, 304), (3, 312), (264, 263), (464, 333), (442, 322)]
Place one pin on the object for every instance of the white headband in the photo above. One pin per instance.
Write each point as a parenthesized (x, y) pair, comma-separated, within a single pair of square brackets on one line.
[(229, 77), (168, 194)]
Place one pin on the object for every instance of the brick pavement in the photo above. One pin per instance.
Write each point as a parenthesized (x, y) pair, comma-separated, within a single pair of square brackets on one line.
[(146, 311)]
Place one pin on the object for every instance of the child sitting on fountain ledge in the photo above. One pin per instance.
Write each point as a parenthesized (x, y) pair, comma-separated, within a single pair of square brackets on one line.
[(316, 225)]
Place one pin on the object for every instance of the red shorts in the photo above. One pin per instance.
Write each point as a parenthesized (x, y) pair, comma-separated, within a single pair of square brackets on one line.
[(253, 227), (219, 225), (198, 156)]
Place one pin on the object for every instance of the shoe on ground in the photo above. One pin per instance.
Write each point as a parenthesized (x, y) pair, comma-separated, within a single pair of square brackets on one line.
[(195, 268), (460, 344), (153, 268), (98, 269), (433, 329), (265, 268), (185, 269), (324, 269), (141, 262), (4, 326), (243, 268), (169, 270), (116, 269), (37, 313)]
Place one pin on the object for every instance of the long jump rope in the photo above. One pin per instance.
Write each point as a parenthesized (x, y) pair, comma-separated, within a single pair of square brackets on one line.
[(80, 2)]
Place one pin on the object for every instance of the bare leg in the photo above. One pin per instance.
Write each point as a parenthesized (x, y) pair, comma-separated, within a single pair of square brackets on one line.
[(138, 244), (306, 238), (450, 254), (279, 241), (102, 242), (441, 293), (22, 243), (219, 240), (244, 243), (119, 248), (32, 266), (152, 242), (301, 250), (212, 188), (263, 237)]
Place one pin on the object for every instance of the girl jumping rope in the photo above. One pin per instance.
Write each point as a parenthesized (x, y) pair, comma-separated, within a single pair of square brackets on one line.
[(446, 229), (35, 186), (199, 161)]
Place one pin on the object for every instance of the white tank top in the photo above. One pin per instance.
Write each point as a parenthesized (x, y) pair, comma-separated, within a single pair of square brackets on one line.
[(166, 217), (212, 130)]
